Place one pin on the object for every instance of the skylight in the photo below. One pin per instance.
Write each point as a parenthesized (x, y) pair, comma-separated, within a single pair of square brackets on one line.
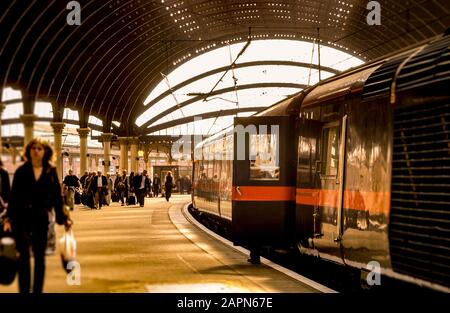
[(244, 85)]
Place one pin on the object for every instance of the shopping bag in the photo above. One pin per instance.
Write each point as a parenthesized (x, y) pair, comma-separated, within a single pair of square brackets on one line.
[(67, 249), (8, 260), (51, 234)]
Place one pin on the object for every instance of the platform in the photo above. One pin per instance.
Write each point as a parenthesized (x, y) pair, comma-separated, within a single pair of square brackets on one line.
[(157, 249)]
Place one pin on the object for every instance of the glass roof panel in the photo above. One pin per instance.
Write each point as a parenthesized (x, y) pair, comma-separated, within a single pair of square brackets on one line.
[(258, 97), (71, 114), (10, 94), (43, 109), (258, 50), (287, 50), (94, 120), (12, 130), (44, 130), (12, 111), (201, 127)]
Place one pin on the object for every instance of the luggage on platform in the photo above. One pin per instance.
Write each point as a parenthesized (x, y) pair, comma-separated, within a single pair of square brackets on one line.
[(131, 199)]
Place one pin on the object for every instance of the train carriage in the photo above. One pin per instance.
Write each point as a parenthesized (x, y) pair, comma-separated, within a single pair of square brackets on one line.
[(353, 170)]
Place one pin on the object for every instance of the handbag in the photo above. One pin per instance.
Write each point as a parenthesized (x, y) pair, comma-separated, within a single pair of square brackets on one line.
[(67, 249), (8, 260)]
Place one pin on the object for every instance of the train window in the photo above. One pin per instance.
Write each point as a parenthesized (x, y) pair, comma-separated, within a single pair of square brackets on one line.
[(264, 162), (306, 155), (330, 151)]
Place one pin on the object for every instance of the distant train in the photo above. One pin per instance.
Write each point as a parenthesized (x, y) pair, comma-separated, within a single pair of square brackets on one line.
[(354, 169)]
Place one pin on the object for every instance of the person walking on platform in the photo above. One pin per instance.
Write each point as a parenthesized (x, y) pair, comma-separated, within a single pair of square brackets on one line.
[(83, 179), (156, 185), (28, 216), (98, 187), (5, 188), (168, 185), (70, 183), (188, 184), (121, 187), (141, 185), (88, 194), (180, 184), (149, 188), (131, 200), (109, 190)]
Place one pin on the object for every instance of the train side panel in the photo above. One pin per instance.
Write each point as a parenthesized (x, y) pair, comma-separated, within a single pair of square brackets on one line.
[(264, 183)]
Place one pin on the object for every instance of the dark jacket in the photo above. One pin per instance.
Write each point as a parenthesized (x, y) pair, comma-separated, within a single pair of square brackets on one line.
[(5, 187), (137, 182), (31, 200), (169, 182), (156, 181), (121, 179), (94, 182), (71, 181), (83, 180)]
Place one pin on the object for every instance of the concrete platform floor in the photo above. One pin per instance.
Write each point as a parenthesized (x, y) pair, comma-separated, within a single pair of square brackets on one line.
[(134, 249)]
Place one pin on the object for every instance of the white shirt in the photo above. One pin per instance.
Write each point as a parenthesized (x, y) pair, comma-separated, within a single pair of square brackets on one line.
[(99, 181), (142, 182)]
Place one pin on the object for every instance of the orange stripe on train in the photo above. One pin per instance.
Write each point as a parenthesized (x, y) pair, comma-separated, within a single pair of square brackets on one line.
[(376, 202), (264, 193)]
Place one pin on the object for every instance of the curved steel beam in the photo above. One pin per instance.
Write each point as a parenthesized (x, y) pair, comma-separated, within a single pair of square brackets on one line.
[(218, 92), (238, 65), (193, 118)]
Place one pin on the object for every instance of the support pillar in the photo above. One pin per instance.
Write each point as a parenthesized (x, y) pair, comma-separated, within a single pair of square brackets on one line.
[(146, 158), (95, 163), (106, 137), (70, 157), (28, 125), (58, 128), (91, 157), (123, 142), (83, 133), (134, 142)]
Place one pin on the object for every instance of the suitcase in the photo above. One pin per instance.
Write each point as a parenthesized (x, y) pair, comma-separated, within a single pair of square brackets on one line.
[(131, 200), (84, 198), (77, 198), (90, 200), (114, 197)]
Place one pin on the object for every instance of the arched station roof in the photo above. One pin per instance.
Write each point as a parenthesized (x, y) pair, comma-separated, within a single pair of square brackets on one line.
[(108, 65)]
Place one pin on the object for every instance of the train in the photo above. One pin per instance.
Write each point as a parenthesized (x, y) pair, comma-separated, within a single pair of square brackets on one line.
[(353, 170)]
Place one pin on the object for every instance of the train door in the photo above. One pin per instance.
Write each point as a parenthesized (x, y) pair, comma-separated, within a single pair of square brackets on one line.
[(330, 169), (263, 190), (308, 183)]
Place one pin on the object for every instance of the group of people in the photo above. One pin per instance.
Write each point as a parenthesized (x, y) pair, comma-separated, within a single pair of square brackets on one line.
[(185, 185), (96, 189), (27, 218), (127, 186)]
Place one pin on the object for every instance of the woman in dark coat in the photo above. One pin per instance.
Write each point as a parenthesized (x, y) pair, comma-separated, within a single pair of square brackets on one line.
[(36, 190), (168, 185)]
